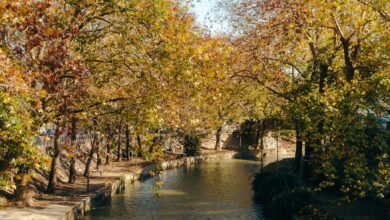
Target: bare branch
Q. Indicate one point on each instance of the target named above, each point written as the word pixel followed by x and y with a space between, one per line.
pixel 338 28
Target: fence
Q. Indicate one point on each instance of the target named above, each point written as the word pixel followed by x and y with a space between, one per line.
pixel 42 143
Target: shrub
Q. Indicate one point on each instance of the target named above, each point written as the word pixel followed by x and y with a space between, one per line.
pixel 192 145
pixel 311 212
pixel 267 185
pixel 288 203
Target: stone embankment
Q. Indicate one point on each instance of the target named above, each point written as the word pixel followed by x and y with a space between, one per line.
pixel 69 208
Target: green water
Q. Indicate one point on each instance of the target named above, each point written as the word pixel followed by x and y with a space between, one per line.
pixel 216 190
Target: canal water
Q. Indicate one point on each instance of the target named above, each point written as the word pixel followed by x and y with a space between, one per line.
pixel 215 190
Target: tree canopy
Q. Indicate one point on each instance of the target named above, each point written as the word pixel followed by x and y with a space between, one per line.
pixel 141 68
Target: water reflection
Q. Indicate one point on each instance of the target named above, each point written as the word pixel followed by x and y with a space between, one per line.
pixel 220 190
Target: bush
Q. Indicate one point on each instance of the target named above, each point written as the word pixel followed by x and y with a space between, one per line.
pixel 288 203
pixel 281 194
pixel 311 212
pixel 267 185
pixel 192 145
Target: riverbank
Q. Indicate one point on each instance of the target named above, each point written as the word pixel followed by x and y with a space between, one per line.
pixel 327 205
pixel 73 201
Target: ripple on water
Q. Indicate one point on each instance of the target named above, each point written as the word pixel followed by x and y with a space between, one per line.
pixel 216 190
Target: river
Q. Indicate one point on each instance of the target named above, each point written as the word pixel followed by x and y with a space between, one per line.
pixel 215 190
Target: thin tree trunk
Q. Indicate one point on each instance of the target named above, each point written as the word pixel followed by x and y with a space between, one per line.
pixel 72 171
pixel 72 166
pixel 119 152
pixel 262 152
pixel 262 142
pixel 139 142
pixel 90 155
pixel 349 69
pixel 306 165
pixel 108 145
pixel 261 159
pixel 98 160
pixel 277 148
pixel 218 138
pixel 258 131
pixel 127 143
pixel 298 150
pixel 51 187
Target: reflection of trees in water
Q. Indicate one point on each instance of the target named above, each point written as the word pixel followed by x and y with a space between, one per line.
pixel 216 190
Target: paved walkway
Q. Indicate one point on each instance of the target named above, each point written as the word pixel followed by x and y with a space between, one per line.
pixel 50 212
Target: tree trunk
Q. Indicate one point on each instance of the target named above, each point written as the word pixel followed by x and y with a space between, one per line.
pixel 262 142
pixel 349 69
pixel 22 193
pixel 218 138
pixel 90 155
pixel 306 169
pixel 139 142
pixel 306 165
pixel 72 171
pixel 128 153
pixel 72 166
pixel 261 158
pixel 258 131
pixel 108 145
pixel 262 149
pixel 298 150
pixel 119 152
pixel 98 160
pixel 55 162
pixel 277 148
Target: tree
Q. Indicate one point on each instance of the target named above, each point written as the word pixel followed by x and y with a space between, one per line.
pixel 325 60
pixel 18 127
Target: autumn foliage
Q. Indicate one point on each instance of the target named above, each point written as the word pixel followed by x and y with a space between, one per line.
pixel 133 71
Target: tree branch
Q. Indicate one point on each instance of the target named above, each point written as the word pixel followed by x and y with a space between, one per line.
pixel 256 79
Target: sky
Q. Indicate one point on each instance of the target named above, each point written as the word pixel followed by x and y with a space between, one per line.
pixel 203 8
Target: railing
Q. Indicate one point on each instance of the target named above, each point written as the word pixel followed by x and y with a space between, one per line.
pixel 43 144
